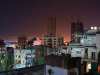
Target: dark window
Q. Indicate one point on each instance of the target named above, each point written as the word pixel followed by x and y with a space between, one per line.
pixel 92 55
pixel 19 56
pixel 78 52
pixel 44 43
pixel 54 46
pixel 71 48
pixel 86 51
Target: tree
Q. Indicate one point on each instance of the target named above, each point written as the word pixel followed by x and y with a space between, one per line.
pixel 1 58
pixel 34 63
pixel 1 43
pixel 8 62
pixel 49 71
pixel 41 61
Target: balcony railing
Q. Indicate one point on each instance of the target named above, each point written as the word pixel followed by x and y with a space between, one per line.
pixel 90 57
pixel 27 63
pixel 28 53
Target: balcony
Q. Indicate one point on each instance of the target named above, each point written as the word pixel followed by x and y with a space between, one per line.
pixel 26 58
pixel 27 63
pixel 28 53
pixel 89 58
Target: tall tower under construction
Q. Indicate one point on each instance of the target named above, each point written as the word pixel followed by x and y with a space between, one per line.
pixel 76 28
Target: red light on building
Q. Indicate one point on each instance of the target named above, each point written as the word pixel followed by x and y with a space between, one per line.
pixel 99 69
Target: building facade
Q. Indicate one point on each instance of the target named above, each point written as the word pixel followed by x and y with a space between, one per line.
pixel 23 57
pixel 86 46
pixel 11 44
pixel 76 28
pixel 22 40
pixel 51 26
pixel 53 41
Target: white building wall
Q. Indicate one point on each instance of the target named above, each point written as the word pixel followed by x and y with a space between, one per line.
pixel 92 50
pixel 98 42
pixel 76 70
pixel 78 52
pixel 11 45
pixel 56 70
pixel 88 40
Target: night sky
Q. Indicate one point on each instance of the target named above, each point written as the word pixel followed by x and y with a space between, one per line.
pixel 29 17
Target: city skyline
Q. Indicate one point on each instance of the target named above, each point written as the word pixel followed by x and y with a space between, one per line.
pixel 30 17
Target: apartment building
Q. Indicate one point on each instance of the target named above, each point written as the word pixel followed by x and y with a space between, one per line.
pixel 53 41
pixel 86 46
pixel 23 57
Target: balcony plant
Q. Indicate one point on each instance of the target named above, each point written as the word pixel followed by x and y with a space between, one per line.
pixel 49 71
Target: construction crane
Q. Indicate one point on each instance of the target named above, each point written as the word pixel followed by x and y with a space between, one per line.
pixel 77 17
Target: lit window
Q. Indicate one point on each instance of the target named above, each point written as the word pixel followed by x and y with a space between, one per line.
pixel 90 41
pixel 78 52
pixel 89 66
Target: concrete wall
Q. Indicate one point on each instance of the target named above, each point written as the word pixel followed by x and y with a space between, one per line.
pixel 74 52
pixel 56 70
pixel 98 42
pixel 60 71
pixel 92 50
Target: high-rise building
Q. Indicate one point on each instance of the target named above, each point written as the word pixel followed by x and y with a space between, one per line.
pixel 51 26
pixel 22 40
pixel 76 28
pixel 51 39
